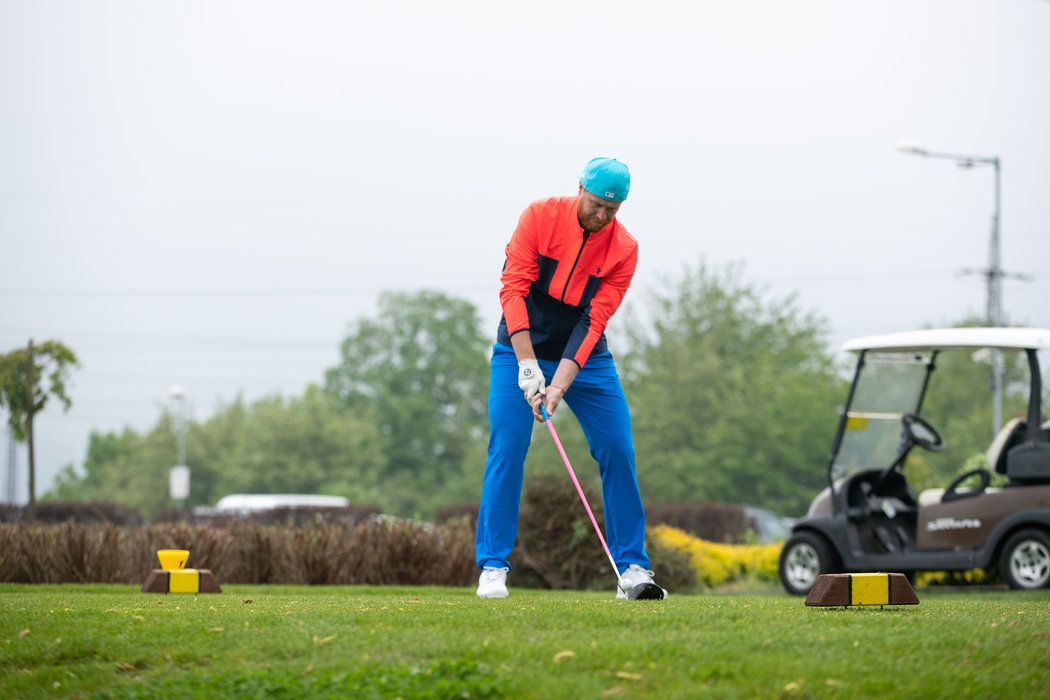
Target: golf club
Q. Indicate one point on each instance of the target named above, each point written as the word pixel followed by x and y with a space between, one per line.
pixel 643 591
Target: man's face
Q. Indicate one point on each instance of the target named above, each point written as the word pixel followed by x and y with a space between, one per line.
pixel 595 213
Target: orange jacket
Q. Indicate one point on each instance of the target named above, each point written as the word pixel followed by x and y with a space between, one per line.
pixel 562 284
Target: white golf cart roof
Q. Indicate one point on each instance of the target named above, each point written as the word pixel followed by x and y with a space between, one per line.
pixel 943 338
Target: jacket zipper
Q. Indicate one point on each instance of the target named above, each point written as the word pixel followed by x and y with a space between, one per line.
pixel 573 268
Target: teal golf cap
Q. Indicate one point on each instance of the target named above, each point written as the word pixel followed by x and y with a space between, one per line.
pixel 607 178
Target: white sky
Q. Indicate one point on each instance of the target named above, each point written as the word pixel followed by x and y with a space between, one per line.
pixel 207 193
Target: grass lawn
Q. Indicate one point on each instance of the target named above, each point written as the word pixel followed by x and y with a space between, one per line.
pixel 290 641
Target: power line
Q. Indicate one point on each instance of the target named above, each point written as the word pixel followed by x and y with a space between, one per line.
pixel 209 293
pixel 343 291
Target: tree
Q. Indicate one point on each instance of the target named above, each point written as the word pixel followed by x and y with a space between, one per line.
pixel 420 367
pixel 398 425
pixel 733 394
pixel 29 377
pixel 125 467
pixel 306 444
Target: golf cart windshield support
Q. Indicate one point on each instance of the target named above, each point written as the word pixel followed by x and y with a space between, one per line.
pixel 837 442
pixel 926 381
pixel 1032 432
pixel 836 446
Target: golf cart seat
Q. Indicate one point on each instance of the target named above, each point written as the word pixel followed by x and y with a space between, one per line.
pixel 1029 462
pixel 1010 435
pixel 1023 457
pixel 931 497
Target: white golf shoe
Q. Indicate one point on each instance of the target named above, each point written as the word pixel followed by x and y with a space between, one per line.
pixel 493 583
pixel 634 577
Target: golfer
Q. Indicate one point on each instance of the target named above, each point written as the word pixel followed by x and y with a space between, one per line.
pixel 569 263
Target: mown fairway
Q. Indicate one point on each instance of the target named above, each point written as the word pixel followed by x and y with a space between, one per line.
pixel 282 641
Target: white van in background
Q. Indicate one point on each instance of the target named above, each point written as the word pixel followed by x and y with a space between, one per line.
pixel 246 503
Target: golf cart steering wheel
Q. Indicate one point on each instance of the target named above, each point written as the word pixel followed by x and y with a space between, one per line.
pixel 922 433
pixel 917 432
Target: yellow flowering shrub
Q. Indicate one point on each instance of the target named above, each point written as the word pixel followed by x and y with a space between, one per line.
pixel 717 564
pixel 951 578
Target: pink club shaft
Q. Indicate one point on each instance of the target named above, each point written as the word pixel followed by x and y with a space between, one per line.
pixel 579 489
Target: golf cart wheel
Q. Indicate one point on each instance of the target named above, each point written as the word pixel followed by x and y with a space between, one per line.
pixel 1025 563
pixel 805 556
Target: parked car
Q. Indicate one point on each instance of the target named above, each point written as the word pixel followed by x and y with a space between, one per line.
pixel 767 525
pixel 252 505
pixel 869 519
pixel 254 502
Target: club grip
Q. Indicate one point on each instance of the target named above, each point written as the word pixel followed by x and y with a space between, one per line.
pixel 543 412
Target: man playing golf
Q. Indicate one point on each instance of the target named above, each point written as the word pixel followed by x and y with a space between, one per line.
pixel 569 264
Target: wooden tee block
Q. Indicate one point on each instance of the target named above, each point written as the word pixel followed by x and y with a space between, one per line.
pixel 861 589
pixel 181 581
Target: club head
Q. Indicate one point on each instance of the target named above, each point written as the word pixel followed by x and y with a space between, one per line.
pixel 646 591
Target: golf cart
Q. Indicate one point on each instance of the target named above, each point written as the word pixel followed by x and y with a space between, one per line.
pixel 869 519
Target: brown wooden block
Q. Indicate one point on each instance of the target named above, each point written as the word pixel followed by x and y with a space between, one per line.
pixel 901 592
pixel 159 581
pixel 209 584
pixel 830 589
pixel 156 582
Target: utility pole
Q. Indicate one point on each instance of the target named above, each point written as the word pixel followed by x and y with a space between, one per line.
pixel 993 277
pixel 179 475
pixel 993 274
pixel 31 394
pixel 11 486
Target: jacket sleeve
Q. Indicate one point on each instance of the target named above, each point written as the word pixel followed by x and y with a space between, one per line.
pixel 596 316
pixel 519 272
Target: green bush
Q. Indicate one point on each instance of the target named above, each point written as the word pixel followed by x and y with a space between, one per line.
pixel 558 548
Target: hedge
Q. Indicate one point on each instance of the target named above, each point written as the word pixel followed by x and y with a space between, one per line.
pixel 717 564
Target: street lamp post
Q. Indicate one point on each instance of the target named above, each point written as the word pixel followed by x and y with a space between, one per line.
pixel 179 476
pixel 993 274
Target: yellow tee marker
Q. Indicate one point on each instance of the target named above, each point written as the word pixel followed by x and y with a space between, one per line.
pixel 173 578
pixel 184 581
pixel 861 589
pixel 870 589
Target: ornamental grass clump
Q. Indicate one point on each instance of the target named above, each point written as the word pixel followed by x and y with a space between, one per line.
pixel 378 552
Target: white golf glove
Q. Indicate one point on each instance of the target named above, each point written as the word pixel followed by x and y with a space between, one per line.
pixel 530 379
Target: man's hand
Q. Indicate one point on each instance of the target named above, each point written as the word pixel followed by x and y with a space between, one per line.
pixel 551 398
pixel 530 379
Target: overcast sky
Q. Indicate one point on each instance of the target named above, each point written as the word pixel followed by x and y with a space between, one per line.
pixel 208 193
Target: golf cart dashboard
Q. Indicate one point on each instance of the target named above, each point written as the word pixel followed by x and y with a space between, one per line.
pixel 869 493
pixel 881 510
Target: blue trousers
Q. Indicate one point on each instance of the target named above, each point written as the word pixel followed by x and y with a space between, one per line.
pixel 597 399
